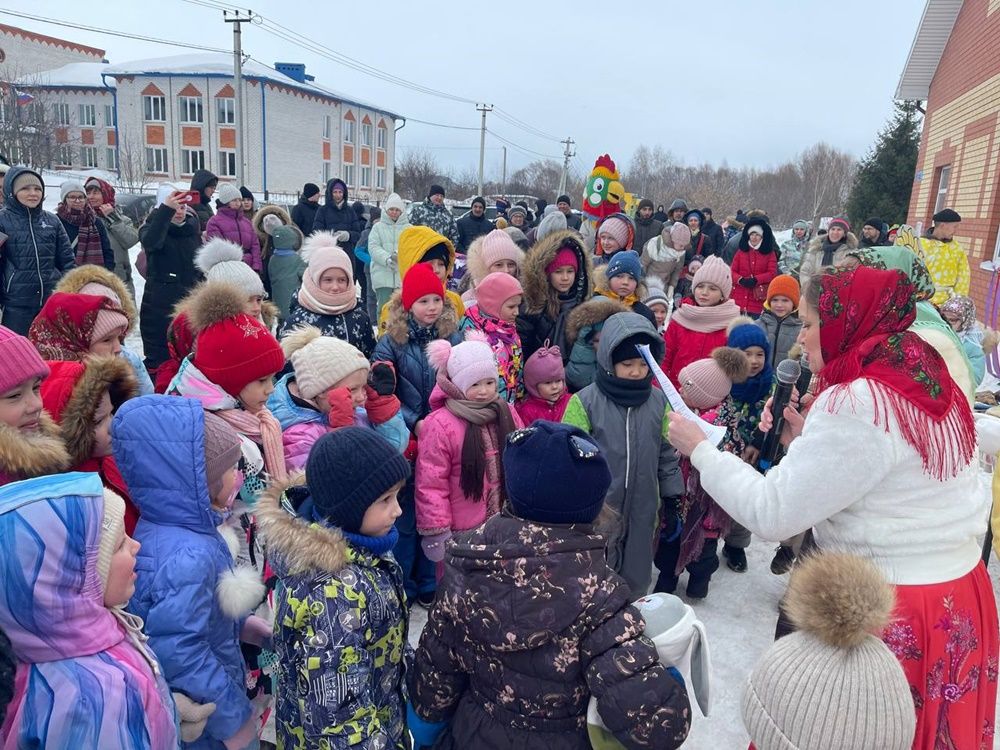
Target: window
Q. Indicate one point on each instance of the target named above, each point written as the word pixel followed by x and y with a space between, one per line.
pixel 380 178
pixel 944 176
pixel 348 131
pixel 156 158
pixel 64 156
pixel 366 176
pixel 62 114
pixel 327 126
pixel 110 116
pixel 154 109
pixel 4 108
pixel 192 161
pixel 349 175
pixel 381 138
pixel 112 156
pixel 88 116
pixel 327 172
pixel 225 110
pixel 191 110
pixel 227 163
pixel 366 134
pixel 88 156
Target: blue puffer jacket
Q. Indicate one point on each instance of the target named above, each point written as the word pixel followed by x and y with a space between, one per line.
pixel 403 345
pixel 35 255
pixel 159 444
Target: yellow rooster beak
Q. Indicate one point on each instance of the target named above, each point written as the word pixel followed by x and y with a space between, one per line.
pixel 615 191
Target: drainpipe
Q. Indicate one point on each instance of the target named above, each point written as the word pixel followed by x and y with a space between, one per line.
pixel 114 104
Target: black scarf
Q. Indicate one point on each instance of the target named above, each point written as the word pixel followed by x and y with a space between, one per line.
pixel 828 250
pixel 624 392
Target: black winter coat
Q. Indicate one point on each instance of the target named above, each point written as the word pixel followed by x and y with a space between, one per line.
pixel 645 230
pixel 353 326
pixel 469 227
pixel 72 230
pixel 304 215
pixel 199 181
pixel 33 258
pixel 332 218
pixel 714 231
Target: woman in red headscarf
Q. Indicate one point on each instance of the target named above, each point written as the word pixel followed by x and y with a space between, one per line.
pixel 884 466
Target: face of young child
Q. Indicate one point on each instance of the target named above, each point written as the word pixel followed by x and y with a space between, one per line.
pixel 224 498
pixel 334 281
pixel 102 428
pixel 781 305
pixel 623 284
pixel 427 309
pixel 29 196
pixel 21 406
pixel 504 266
pixel 707 295
pixel 483 391
pixel 121 574
pixel 440 269
pixel 551 390
pixel 757 358
pixel 509 309
pixel 660 313
pixel 632 369
pixel 382 514
pixel 355 383
pixel 255 393
pixel 562 278
pixel 609 244
pixel 109 345
pixel 253 306
pixel 236 204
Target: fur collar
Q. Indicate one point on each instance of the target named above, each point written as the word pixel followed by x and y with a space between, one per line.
pixel 24 455
pixel 593 311
pixel 79 277
pixel 538 295
pixel 302 546
pixel 397 325
pixel 850 242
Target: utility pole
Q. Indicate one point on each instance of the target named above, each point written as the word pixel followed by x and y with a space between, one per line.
pixel 567 155
pixel 503 180
pixel 236 20
pixel 484 108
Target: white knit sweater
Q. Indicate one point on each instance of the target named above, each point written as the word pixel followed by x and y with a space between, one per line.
pixel 862 489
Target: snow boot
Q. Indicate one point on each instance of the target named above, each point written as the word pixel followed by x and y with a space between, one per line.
pixel 784 558
pixel 700 571
pixel 736 558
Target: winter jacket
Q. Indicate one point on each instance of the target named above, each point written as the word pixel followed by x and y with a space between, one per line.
pixel 506 345
pixel 121 232
pixel 701 244
pixel 948 264
pixel 812 258
pixel 438 218
pixel 403 346
pixel 35 254
pixel 533 408
pixel 441 504
pixel 199 181
pixel 82 680
pixel 529 622
pixel 584 322
pixel 790 256
pixel 340 637
pixel 304 215
pixel 284 271
pixel 335 218
pixel 352 326
pixel 644 466
pixel 684 346
pixel 782 333
pixel 663 262
pixel 170 275
pixel 645 230
pixel 758 267
pixel 714 233
pixel 266 243
pixel 602 289
pixel 230 224
pixel 72 231
pixel 24 455
pixel 187 592
pixel 544 315
pixel 470 227
pixel 383 245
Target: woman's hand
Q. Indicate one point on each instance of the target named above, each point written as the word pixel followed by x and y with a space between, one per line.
pixel 684 434
pixel 173 200
pixel 793 420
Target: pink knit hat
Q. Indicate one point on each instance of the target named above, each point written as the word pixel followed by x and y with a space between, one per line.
pixel 714 271
pixel 680 235
pixel 615 227
pixel 565 257
pixel 544 365
pixel 706 382
pixel 19 360
pixel 106 323
pixel 494 290
pixel 497 246
pixel 464 364
pixel 321 252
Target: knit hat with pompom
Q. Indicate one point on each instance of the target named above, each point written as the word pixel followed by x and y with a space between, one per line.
pixel 706 382
pixel 320 362
pixel 222 260
pixel 464 364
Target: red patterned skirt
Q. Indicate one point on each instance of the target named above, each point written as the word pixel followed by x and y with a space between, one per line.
pixel 947 638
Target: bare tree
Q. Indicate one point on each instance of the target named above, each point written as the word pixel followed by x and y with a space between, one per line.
pixel 415 172
pixel 131 164
pixel 35 130
pixel 827 175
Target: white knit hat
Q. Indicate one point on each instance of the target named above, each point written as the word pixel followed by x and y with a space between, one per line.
pixel 320 362
pixel 222 260
pixel 112 524
pixel 228 192
pixel 70 186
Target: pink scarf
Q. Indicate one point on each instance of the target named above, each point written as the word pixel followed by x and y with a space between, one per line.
pixel 314 299
pixel 706 319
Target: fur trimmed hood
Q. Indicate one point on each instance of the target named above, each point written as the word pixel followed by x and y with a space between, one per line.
pixel 74 280
pixel 73 391
pixel 476 266
pixel 264 237
pixel 26 455
pixel 269 311
pixel 397 319
pixel 300 545
pixel 538 295
pixel 591 312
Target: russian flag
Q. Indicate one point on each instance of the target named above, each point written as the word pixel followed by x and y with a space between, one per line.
pixel 23 97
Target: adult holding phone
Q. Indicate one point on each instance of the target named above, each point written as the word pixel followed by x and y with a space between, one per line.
pixel 120 229
pixel 884 466
pixel 170 239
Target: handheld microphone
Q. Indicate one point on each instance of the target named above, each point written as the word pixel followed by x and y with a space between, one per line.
pixel 787 374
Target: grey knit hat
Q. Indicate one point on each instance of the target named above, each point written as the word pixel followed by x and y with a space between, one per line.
pixel 70 186
pixel 222 260
pixel 833 684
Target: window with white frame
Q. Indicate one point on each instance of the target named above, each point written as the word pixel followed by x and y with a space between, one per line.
pixel 4 108
pixel 88 116
pixel 110 116
pixel 944 177
pixel 62 114
pixel 111 154
pixel 227 163
pixel 366 134
pixel 366 176
pixel 192 160
pixel 327 172
pixel 154 109
pixel 327 126
pixel 349 131
pixel 225 110
pixel 191 109
pixel 380 178
pixel 64 156
pixel 382 138
pixel 349 175
pixel 156 160
pixel 88 156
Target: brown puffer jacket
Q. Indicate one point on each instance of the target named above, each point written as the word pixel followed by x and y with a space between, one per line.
pixel 529 622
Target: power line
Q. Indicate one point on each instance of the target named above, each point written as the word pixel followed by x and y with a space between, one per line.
pixel 510 119
pixel 440 125
pixel 519 147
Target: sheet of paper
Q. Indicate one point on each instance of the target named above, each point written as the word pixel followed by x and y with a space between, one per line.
pixel 714 433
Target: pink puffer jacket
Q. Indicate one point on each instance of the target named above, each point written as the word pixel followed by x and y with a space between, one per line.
pixel 230 224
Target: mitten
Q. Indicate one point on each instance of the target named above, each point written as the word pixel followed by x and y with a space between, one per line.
pixel 342 236
pixel 341 408
pixel 257 632
pixel 380 408
pixel 382 378
pixel 433 546
pixel 425 733
pixel 192 715
pixel 748 281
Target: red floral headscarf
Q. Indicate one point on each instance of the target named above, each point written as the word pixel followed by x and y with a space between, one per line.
pixel 62 329
pixel 864 319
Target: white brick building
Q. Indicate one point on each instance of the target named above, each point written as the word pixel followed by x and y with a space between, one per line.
pixel 24 52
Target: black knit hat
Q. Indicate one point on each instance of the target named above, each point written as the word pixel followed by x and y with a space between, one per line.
pixel 348 470
pixel 564 199
pixel 480 200
pixel 310 189
pixel 627 348
pixel 555 473
pixel 947 214
pixel 435 190
pixel 245 192
pixel 645 203
pixel 437 252
pixel 875 223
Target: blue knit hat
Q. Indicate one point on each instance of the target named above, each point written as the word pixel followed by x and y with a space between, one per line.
pixel 743 333
pixel 555 473
pixel 625 261
pixel 348 470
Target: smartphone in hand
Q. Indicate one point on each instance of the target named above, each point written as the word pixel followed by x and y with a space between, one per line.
pixel 189 198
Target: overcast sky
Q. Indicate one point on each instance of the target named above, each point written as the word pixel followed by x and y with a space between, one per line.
pixel 748 82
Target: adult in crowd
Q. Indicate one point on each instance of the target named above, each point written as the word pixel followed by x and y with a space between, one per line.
pixel 383 246
pixel 87 236
pixel 646 227
pixel 304 211
pixel 874 233
pixel 827 250
pixel 565 205
pixel 247 202
pixel 701 243
pixel 945 257
pixel 540 205
pixel 205 183
pixel 337 215
pixel 230 223
pixel 790 255
pixel 660 214
pixel 433 213
pixel 120 229
pixel 910 501
pixel 473 224
pixel 676 211
pixel 733 243
pixel 753 267
pixel 713 231
pixel 518 217
pixel 170 237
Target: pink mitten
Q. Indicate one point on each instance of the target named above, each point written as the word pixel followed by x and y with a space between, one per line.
pixel 433 545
